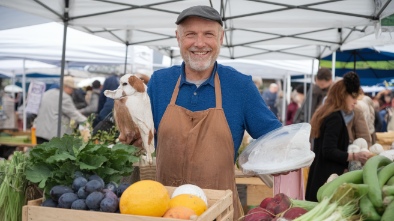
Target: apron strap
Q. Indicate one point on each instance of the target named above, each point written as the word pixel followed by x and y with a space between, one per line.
pixel 175 93
pixel 218 92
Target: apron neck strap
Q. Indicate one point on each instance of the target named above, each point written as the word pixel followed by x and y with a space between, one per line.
pixel 218 92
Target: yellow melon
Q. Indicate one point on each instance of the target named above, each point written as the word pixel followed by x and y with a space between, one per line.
pixel 190 201
pixel 146 198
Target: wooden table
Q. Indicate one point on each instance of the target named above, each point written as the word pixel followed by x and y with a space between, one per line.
pixel 13 144
pixel 18 141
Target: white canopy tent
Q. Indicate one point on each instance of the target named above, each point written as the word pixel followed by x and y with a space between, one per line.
pixel 41 43
pixel 44 42
pixel 273 29
pixel 382 41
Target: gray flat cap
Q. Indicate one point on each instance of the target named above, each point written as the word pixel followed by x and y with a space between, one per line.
pixel 200 11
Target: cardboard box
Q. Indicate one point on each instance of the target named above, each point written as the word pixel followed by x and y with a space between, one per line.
pixel 220 207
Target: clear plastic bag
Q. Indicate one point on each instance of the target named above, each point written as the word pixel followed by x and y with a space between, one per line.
pixel 284 149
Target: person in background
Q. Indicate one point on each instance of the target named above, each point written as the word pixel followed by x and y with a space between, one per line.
pixel 296 98
pixel 201 109
pixel 78 97
pixel 92 106
pixel 365 104
pixel 47 116
pixel 390 116
pixel 105 104
pixel 88 94
pixel 357 125
pixel 269 96
pixel 384 98
pixel 323 81
pixel 378 124
pixel 330 134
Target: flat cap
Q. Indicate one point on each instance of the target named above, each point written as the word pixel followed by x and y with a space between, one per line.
pixel 201 11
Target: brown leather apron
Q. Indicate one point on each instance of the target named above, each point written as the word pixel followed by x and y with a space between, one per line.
pixel 197 148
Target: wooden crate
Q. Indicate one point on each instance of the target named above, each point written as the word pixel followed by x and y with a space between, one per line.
pixel 256 190
pixel 220 208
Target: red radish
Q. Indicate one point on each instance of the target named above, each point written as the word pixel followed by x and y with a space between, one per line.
pixel 294 212
pixel 265 201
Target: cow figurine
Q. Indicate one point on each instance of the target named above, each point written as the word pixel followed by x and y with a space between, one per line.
pixel 133 113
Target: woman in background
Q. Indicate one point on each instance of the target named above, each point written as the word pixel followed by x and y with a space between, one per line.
pixel 331 138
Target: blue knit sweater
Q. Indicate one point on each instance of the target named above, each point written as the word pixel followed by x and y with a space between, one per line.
pixel 243 105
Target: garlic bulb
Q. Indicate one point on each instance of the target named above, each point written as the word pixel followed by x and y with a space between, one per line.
pixel 376 148
pixel 352 148
pixel 361 142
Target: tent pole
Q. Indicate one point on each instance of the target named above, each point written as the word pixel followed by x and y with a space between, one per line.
pixel 61 79
pixel 125 60
pixel 24 94
pixel 284 99
pixel 354 63
pixel 310 94
pixel 172 57
pixel 333 64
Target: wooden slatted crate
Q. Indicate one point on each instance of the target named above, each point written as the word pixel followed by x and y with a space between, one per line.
pixel 220 208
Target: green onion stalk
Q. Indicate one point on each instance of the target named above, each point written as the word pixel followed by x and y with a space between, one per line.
pixel 12 187
pixel 342 205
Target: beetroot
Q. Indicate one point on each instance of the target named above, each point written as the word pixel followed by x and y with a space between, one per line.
pixel 271 206
pixel 258 214
pixel 294 212
pixel 278 204
pixel 265 201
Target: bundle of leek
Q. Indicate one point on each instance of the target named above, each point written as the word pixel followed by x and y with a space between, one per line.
pixel 342 205
pixel 12 187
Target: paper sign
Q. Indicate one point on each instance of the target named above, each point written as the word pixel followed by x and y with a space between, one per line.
pixel 34 95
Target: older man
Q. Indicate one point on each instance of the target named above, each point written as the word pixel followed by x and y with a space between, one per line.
pixel 201 109
pixel 47 116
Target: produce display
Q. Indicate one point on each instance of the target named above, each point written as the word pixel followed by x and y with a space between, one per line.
pixel 87 192
pixel 86 175
pixel 12 187
pixel 374 180
pixel 364 194
pixel 56 162
pixel 143 198
pixel 151 198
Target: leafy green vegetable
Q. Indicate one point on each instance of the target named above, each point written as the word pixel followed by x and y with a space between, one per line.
pixel 55 162
pixel 12 187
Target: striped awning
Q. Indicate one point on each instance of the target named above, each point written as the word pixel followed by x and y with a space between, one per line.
pixel 372 66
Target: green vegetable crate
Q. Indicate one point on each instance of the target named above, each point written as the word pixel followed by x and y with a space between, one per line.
pixel 220 208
